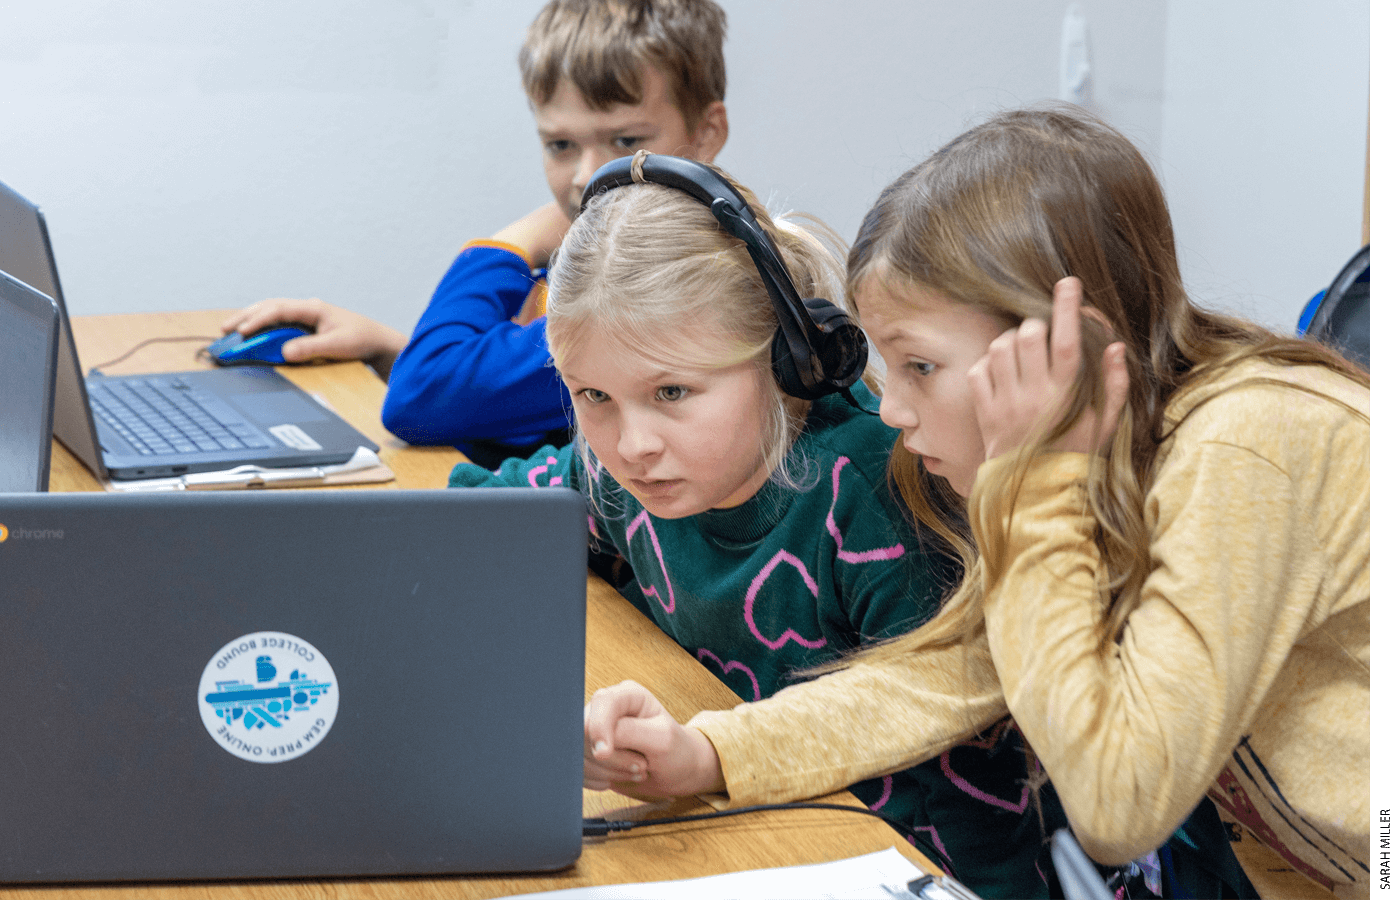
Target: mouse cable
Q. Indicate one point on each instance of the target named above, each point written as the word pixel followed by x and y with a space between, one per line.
pixel 97 370
pixel 597 826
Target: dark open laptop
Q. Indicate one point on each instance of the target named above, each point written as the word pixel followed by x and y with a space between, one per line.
pixel 273 685
pixel 28 359
pixel 153 426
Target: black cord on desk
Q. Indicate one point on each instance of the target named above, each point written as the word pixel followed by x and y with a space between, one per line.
pixel 597 826
pixel 97 369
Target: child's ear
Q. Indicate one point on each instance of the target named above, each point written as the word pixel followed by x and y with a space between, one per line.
pixel 711 131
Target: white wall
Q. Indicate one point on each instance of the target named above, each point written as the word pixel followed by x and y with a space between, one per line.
pixel 1264 147
pixel 832 100
pixel 192 153
pixel 204 154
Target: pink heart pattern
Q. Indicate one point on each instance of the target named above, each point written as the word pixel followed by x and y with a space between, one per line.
pixel 888 782
pixel 782 556
pixel 967 787
pixel 933 835
pixel 876 555
pixel 879 554
pixel 533 476
pixel 669 604
pixel 726 667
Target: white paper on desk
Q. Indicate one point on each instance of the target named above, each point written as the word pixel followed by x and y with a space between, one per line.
pixel 859 878
pixel 244 476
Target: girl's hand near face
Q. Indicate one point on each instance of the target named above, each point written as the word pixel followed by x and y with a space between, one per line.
pixel 633 746
pixel 1027 377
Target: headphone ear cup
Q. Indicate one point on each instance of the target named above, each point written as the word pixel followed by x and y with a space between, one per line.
pixel 844 350
pixel 841 350
pixel 785 370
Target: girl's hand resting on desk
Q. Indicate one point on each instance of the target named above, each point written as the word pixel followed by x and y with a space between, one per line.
pixel 340 333
pixel 633 746
pixel 1025 381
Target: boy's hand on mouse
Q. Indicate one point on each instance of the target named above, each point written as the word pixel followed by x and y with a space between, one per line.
pixel 633 746
pixel 1024 382
pixel 339 333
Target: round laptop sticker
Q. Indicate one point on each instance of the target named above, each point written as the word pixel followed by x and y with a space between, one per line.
pixel 268 697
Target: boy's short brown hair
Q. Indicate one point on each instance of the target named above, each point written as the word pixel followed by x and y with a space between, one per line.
pixel 603 47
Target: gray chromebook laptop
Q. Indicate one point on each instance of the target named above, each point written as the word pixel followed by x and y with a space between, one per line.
pixel 154 426
pixel 28 359
pixel 290 684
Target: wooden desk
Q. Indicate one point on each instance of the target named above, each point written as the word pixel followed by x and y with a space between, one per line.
pixel 621 644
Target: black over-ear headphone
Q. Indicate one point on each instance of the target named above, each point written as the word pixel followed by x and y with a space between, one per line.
pixel 818 350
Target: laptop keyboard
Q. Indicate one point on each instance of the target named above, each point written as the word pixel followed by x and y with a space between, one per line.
pixel 165 415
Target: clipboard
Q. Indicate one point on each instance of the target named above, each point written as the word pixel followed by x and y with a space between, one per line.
pixel 364 467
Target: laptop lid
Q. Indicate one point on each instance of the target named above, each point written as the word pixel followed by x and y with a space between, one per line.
pixel 278 423
pixel 25 254
pixel 28 360
pixel 291 684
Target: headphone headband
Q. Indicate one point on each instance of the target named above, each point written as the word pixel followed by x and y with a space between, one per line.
pixel 821 350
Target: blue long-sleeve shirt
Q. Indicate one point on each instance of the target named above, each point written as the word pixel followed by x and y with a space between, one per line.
pixel 471 374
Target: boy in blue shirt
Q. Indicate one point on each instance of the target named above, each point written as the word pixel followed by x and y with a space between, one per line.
pixel 605 78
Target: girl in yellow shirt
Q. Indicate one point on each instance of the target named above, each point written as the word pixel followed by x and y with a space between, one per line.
pixel 1168 546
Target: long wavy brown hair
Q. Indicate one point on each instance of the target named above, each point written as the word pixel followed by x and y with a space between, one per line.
pixel 994 219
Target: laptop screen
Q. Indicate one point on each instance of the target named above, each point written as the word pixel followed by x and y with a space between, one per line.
pixel 24 251
pixel 28 350
pixel 26 255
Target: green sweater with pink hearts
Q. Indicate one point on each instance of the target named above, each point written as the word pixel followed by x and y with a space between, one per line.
pixel 801 574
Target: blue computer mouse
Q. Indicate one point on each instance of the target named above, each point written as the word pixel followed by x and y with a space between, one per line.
pixel 263 348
